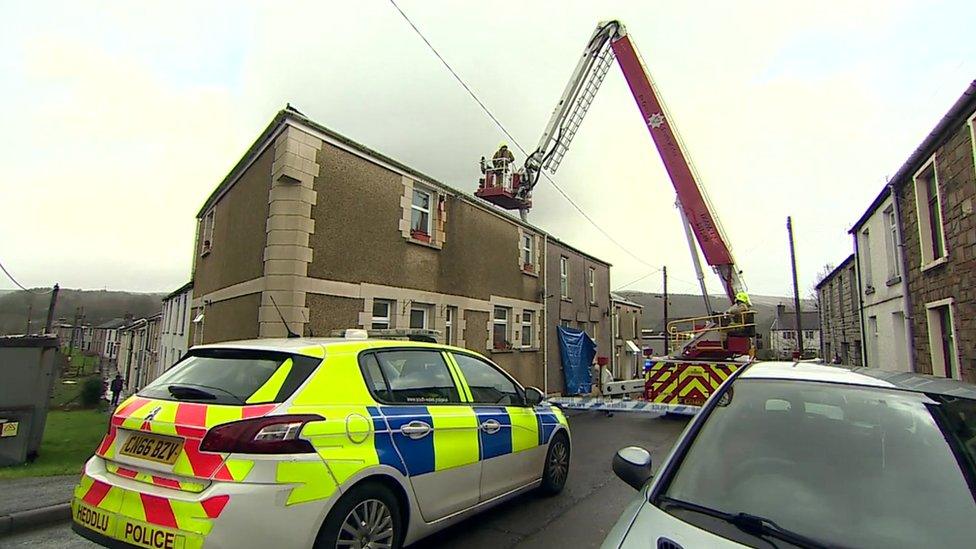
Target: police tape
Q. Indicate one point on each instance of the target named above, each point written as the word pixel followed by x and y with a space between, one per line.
pixel 619 405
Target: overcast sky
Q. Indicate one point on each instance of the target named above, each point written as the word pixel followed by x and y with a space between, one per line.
pixel 120 118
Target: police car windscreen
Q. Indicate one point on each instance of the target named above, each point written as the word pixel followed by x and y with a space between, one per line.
pixel 232 376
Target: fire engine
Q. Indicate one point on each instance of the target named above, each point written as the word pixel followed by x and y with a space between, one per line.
pixel 704 351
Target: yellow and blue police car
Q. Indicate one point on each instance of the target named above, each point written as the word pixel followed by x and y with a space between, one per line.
pixel 339 442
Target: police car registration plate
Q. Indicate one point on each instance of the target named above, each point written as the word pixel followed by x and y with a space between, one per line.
pixel 153 447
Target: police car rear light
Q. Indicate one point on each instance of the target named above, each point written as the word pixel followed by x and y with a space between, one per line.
pixel 261 435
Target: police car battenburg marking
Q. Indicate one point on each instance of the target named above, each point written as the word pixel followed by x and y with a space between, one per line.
pixel 383 442
pixel 418 454
pixel 500 443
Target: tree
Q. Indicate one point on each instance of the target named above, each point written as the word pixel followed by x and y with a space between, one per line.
pixel 821 275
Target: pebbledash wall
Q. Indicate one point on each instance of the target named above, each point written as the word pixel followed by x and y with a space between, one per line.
pixel 941 278
pixel 325 228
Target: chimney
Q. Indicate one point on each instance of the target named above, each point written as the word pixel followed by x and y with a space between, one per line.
pixel 780 310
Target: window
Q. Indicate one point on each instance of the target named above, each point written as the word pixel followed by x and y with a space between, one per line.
pixel 449 314
pixel 564 277
pixel 591 282
pixel 527 339
pixel 929 208
pixel 418 316
pixel 942 342
pixel 865 249
pixel 207 232
pixel 410 377
pixel 528 252
pixel 381 314
pixel 420 214
pixel 891 244
pixel 488 385
pixel 499 329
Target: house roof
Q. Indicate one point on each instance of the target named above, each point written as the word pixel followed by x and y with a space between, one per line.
pixel 787 320
pixel 960 111
pixel 113 324
pixel 837 269
pixel 617 298
pixel 290 114
pixel 179 291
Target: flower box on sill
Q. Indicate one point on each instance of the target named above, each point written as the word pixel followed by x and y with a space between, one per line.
pixel 420 235
pixel 528 267
pixel 502 346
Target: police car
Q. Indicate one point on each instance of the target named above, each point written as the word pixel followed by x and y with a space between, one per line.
pixel 342 442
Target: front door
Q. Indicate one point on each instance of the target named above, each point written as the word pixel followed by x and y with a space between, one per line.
pixel 511 455
pixel 434 433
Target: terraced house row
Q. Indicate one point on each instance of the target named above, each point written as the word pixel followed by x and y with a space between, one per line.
pixel 336 235
pixel 914 260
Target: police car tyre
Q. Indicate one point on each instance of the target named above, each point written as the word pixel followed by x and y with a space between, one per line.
pixel 557 465
pixel 366 516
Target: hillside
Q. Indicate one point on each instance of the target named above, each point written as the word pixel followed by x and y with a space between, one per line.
pixel 687 306
pixel 99 306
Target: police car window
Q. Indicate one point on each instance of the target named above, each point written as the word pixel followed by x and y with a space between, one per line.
pixel 374 377
pixel 488 385
pixel 416 377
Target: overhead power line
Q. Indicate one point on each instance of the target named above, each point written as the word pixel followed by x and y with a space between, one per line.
pixel 511 137
pixel 18 284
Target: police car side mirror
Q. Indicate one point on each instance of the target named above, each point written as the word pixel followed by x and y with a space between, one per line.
pixel 633 466
pixel 533 396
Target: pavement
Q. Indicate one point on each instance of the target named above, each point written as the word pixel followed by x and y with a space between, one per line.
pixel 29 502
pixel 581 516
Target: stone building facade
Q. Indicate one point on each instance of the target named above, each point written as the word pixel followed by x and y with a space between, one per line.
pixel 627 361
pixel 840 322
pixel 936 194
pixel 336 235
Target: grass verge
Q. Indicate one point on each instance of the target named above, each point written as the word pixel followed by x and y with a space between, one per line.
pixel 70 438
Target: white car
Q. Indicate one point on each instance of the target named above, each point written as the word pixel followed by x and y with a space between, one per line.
pixel 808 455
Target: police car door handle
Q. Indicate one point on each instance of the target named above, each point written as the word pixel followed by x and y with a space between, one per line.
pixel 416 429
pixel 491 426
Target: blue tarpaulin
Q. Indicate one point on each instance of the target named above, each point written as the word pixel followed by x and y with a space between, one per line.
pixel 576 351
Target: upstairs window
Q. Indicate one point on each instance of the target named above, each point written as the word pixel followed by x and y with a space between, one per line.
pixel 528 252
pixel 865 249
pixel 207 232
pixel 419 315
pixel 591 283
pixel 381 315
pixel 564 277
pixel 420 214
pixel 891 243
pixel 929 207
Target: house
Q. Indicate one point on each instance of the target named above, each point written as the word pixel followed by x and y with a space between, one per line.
pixel 107 337
pixel 840 319
pixel 174 327
pixel 882 288
pixel 935 197
pixel 138 348
pixel 627 361
pixel 313 232
pixel 783 336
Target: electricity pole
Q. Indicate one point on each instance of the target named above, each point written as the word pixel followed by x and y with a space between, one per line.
pixel 665 271
pixel 796 289
pixel 50 309
pixel 30 311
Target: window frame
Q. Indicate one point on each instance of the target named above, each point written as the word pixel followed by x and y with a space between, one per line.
pixel 891 243
pixel 423 308
pixel 866 267
pixel 462 399
pixel 416 208
pixel 527 343
pixel 924 215
pixel 564 277
pixel 936 334
pixel 527 249
pixel 508 327
pixel 449 322
pixel 207 230
pixel 390 306
pixel 497 368
pixel 591 283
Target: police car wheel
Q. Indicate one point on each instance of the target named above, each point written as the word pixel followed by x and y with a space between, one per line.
pixel 557 465
pixel 366 517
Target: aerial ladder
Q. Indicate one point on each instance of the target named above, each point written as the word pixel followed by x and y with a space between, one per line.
pixel 704 350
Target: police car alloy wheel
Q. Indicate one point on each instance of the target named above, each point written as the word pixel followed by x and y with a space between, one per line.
pixel 557 465
pixel 367 517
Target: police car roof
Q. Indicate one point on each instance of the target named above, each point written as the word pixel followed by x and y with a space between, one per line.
pixel 870 377
pixel 302 345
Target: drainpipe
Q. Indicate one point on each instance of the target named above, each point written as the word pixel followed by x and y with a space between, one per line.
pixel 860 305
pixel 545 314
pixel 906 297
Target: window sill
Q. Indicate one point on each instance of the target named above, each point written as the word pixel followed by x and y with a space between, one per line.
pixel 432 245
pixel 869 290
pixel 566 299
pixel 893 281
pixel 501 351
pixel 205 253
pixel 529 349
pixel 530 273
pixel 935 263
